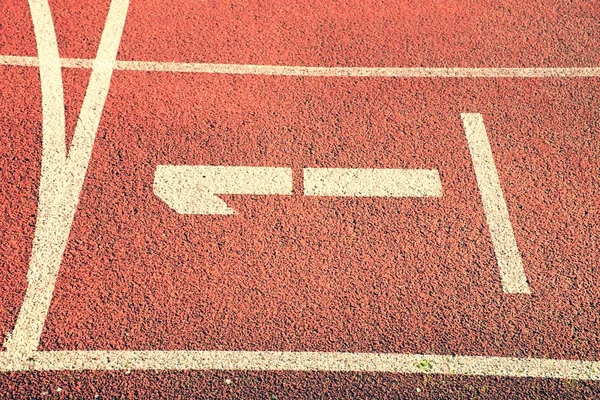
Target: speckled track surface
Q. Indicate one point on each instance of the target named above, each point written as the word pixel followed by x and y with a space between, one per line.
pixel 301 274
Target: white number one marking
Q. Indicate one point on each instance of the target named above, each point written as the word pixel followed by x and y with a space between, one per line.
pixel 192 190
pixel 503 239
pixel 62 178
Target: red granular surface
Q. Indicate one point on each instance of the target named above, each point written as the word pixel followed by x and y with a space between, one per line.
pixel 334 274
pixel 297 273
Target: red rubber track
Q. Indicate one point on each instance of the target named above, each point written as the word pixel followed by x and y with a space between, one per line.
pixel 334 274
pixel 284 385
pixel 366 33
pixel 303 273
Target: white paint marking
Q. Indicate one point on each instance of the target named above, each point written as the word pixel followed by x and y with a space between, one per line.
pixel 22 61
pixel 305 361
pixel 193 189
pixel 292 70
pixel 62 175
pixel 417 72
pixel 372 182
pixel 47 249
pixel 26 61
pixel 53 151
pixel 496 212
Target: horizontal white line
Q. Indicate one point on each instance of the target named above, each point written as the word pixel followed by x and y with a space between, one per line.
pixel 27 61
pixel 355 71
pixel 303 361
pixel 372 182
pixel 412 72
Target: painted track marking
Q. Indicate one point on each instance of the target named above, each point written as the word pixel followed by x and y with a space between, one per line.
pixel 48 245
pixel 305 361
pixel 408 363
pixel 62 175
pixel 191 189
pixel 292 70
pixel 372 182
pixel 494 205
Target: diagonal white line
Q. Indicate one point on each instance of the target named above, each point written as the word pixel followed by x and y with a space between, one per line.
pixel 62 176
pixel 97 90
pixel 494 205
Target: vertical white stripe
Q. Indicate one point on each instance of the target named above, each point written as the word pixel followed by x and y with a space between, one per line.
pixel 47 250
pixel 62 176
pixel 503 239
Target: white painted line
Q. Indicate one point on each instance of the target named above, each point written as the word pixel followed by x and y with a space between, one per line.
pixel 48 245
pixel 76 63
pixel 193 189
pixel 97 90
pixel 27 61
pixel 417 72
pixel 503 238
pixel 372 182
pixel 61 181
pixel 292 70
pixel 62 175
pixel 305 361
pixel 23 61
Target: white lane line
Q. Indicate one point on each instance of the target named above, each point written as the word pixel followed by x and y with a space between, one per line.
pixel 27 61
pixel 372 182
pixel 305 361
pixel 291 70
pixel 416 72
pixel 494 205
pixel 192 189
pixel 47 249
pixel 62 175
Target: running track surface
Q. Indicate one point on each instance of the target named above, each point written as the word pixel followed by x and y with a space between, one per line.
pixel 296 273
